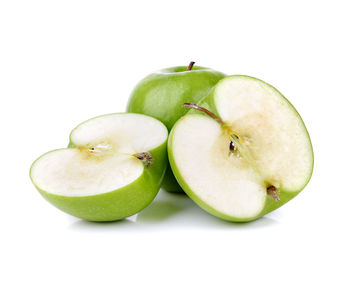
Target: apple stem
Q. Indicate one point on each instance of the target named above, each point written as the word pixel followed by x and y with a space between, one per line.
pixel 204 110
pixel 190 65
pixel 145 157
pixel 273 192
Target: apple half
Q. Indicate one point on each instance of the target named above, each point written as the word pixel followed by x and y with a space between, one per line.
pixel 112 168
pixel 243 152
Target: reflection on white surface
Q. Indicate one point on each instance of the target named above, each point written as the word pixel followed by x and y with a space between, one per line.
pixel 170 211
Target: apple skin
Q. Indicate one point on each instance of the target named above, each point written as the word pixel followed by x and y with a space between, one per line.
pixel 117 204
pixel 270 204
pixel 161 95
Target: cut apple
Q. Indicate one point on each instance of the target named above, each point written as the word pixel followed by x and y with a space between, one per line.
pixel 245 152
pixel 111 170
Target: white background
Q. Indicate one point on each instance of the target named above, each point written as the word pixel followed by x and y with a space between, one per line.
pixel 62 62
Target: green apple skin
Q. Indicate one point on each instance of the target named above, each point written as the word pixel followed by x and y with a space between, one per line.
pixel 117 204
pixel 270 204
pixel 161 95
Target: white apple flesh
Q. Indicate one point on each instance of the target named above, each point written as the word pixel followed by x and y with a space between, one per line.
pixel 111 170
pixel 249 157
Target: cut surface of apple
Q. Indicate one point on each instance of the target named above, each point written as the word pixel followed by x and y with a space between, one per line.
pixel 252 155
pixel 112 168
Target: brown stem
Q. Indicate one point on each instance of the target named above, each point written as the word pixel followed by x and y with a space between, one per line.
pixel 273 192
pixel 190 66
pixel 145 157
pixel 204 110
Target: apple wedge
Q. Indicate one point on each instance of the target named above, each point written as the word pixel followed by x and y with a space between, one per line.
pixel 112 168
pixel 243 152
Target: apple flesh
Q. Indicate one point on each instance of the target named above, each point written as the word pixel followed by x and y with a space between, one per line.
pixel 243 152
pixel 161 95
pixel 112 169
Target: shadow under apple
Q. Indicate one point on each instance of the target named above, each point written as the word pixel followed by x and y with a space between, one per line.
pixel 90 226
pixel 179 211
pixel 170 211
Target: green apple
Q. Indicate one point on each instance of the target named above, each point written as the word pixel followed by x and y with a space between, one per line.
pixel 112 168
pixel 162 93
pixel 243 152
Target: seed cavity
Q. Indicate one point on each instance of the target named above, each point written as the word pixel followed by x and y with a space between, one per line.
pixel 100 148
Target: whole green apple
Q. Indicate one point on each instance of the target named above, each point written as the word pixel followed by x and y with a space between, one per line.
pixel 112 168
pixel 161 95
pixel 243 152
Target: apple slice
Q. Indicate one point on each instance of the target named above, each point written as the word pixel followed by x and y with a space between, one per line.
pixel 112 169
pixel 245 152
